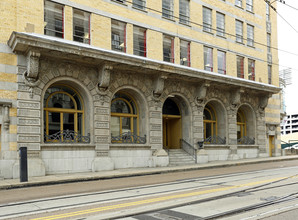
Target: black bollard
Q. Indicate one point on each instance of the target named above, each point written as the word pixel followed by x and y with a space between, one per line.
pixel 23 165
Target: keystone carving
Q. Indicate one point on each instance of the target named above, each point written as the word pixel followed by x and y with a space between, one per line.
pixel 104 76
pixel 236 97
pixel 158 85
pixel 6 120
pixel 201 93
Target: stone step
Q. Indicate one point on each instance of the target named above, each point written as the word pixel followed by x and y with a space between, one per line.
pixel 178 157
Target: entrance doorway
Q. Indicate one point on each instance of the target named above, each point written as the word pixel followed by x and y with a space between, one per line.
pixel 171 125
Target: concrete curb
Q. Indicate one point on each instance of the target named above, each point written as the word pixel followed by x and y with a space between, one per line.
pixel 80 177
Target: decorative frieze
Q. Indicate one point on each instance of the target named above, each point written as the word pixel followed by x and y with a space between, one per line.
pixel 26 121
pixel 102 111
pixel 155 127
pixel 32 105
pixel 102 153
pixel 28 138
pixel 102 139
pixel 28 113
pixel 101 124
pixel 155 140
pixel 155 114
pixel 29 129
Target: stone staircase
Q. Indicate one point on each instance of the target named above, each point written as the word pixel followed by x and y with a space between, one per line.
pixel 178 157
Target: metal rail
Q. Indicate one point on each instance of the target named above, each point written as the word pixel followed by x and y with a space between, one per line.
pixel 188 148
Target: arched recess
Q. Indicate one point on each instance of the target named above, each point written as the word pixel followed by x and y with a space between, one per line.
pixel 176 121
pixel 215 123
pixel 67 112
pixel 129 113
pixel 246 125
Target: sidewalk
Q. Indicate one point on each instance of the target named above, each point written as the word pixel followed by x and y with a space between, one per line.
pixel 76 177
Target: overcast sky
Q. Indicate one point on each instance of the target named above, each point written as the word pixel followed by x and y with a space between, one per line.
pixel 288 40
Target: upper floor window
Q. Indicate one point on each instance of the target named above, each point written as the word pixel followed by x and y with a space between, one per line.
pixel 81 26
pixel 250 35
pixel 185 53
pixel 221 59
pixel 268 43
pixel 240 67
pixel 249 5
pixel 269 74
pixel 251 69
pixel 208 59
pixel 140 4
pixel 167 9
pixel 168 49
pixel 139 41
pixel 184 11
pixel 220 24
pixel 239 31
pixel 53 19
pixel 207 19
pixel 267 11
pixel 118 36
pixel 238 3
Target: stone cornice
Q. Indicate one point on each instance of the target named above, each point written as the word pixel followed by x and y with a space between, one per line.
pixel 24 42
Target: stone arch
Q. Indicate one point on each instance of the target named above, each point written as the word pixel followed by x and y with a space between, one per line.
pixel 250 117
pixel 85 94
pixel 142 105
pixel 221 116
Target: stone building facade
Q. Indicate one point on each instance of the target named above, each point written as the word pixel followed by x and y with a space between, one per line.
pixel 79 105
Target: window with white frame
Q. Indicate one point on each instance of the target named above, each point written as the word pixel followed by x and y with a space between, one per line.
pixel 240 67
pixel 220 24
pixel 268 43
pixel 251 69
pixel 118 35
pixel 221 59
pixel 139 41
pixel 250 35
pixel 249 5
pixel 208 59
pixel 81 26
pixel 184 11
pixel 269 74
pixel 238 3
pixel 140 4
pixel 168 48
pixel 207 19
pixel 53 19
pixel 167 9
pixel 184 53
pixel 239 31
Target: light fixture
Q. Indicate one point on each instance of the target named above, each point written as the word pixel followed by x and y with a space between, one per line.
pixel 184 59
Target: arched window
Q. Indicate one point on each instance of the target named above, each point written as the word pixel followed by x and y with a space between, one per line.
pixel 124 115
pixel 241 125
pixel 64 115
pixel 210 122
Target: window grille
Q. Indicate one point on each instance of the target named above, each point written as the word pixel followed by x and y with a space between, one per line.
pixel 251 69
pixel 249 5
pixel 139 41
pixel 184 53
pixel 168 49
pixel 140 4
pixel 167 9
pixel 239 31
pixel 250 35
pixel 208 59
pixel 221 59
pixel 81 26
pixel 220 24
pixel 240 67
pixel 53 19
pixel 184 11
pixel 118 36
pixel 207 19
